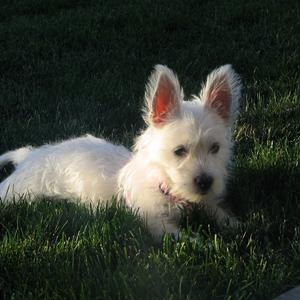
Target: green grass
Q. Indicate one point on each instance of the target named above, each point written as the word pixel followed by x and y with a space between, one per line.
pixel 71 67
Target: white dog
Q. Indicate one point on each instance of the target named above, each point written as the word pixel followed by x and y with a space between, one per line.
pixel 183 156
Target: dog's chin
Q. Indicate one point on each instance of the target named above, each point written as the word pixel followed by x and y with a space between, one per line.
pixel 198 197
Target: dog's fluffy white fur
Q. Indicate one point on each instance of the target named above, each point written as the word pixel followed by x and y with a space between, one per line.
pixel 183 156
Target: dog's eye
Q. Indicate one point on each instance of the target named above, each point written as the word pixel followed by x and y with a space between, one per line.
pixel 214 148
pixel 180 151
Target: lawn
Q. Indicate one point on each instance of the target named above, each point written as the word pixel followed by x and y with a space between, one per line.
pixel 70 67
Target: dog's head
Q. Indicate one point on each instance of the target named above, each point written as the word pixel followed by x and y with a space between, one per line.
pixel 190 141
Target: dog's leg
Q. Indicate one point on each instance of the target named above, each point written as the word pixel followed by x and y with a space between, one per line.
pixel 158 226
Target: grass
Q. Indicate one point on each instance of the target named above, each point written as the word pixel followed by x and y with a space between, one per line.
pixel 71 67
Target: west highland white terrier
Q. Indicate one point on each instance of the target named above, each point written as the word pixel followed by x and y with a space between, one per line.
pixel 182 157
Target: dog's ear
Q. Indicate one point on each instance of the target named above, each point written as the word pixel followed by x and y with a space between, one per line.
pixel 222 92
pixel 162 97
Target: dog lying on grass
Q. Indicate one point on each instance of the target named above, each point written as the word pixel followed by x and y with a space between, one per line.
pixel 182 157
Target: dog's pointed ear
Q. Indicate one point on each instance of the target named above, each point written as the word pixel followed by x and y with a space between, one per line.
pixel 162 97
pixel 222 92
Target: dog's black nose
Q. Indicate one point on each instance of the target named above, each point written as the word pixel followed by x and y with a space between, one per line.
pixel 203 182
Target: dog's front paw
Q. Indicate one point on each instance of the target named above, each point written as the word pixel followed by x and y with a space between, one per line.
pixel 231 222
pixel 224 217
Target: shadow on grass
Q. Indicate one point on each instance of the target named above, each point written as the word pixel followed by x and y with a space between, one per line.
pixel 267 202
pixel 274 190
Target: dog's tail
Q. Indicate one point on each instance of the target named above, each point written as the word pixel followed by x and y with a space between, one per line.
pixel 15 156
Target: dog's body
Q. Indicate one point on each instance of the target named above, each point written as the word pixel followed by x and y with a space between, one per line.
pixel 72 169
pixel 183 155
